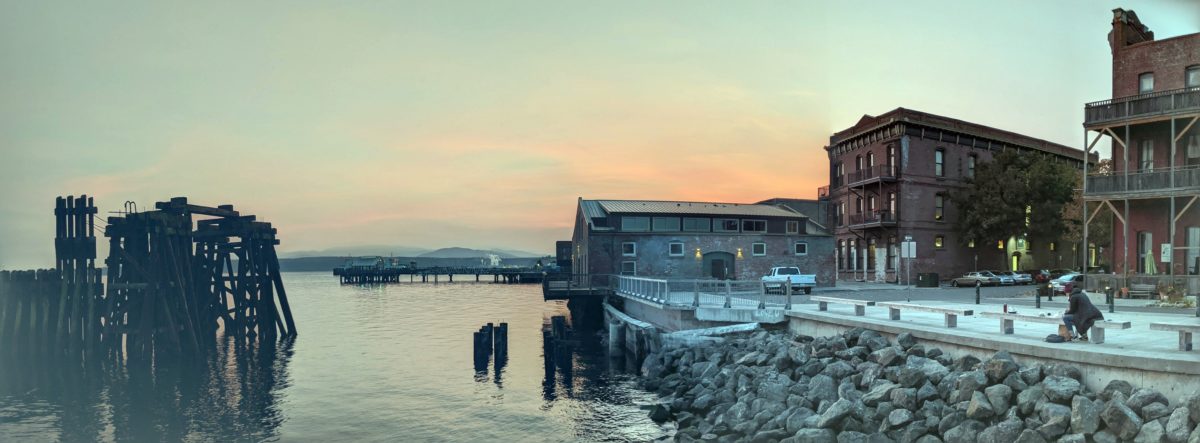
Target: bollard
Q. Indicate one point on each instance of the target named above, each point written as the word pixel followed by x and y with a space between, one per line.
pixel 1108 294
pixel 728 291
pixel 977 285
pixel 1049 292
pixel 695 293
pixel 1037 298
pixel 616 337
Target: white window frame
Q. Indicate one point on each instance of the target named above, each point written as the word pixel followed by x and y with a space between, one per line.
pixel 753 249
pixel 1146 162
pixel 719 225
pixel 632 265
pixel 751 220
pixel 939 207
pixel 625 227
pixel 1142 83
pixel 1189 73
pixel 672 245
pixel 939 162
pixel 793 227
pixel 629 254
pixel 796 247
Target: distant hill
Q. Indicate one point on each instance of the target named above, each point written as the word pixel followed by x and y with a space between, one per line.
pixel 360 250
pixel 457 252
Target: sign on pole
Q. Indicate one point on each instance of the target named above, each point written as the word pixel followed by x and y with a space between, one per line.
pixel 1165 254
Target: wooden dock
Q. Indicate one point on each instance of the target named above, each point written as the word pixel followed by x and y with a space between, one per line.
pixel 572 286
pixel 388 274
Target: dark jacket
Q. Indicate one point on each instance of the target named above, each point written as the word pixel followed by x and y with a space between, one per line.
pixel 1084 311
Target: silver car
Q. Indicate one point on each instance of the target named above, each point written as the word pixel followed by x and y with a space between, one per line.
pixel 982 278
pixel 1017 277
pixel 1006 280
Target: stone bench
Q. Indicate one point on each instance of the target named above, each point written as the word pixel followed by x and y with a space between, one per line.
pixel 1095 334
pixel 1139 290
pixel 951 314
pixel 1185 332
pixel 860 306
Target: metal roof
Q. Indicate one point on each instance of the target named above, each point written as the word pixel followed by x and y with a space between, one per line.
pixel 696 208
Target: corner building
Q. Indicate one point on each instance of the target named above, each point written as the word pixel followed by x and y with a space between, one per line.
pixel 891 177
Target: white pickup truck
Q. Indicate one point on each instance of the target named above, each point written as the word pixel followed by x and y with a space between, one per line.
pixel 790 276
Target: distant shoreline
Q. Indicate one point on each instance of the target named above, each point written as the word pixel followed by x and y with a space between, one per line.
pixel 326 264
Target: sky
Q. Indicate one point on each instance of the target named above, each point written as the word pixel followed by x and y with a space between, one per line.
pixel 479 124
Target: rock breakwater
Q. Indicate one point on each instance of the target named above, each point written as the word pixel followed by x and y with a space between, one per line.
pixel 861 387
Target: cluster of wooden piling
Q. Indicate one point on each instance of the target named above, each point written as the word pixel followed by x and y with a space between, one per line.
pixel 172 283
pixel 491 340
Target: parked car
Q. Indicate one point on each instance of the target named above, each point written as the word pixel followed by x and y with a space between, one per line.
pixel 1005 279
pixel 790 276
pixel 1018 278
pixel 1039 275
pixel 1066 283
pixel 984 278
pixel 1056 273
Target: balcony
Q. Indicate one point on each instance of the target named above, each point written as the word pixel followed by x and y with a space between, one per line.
pixel 1157 182
pixel 873 174
pixel 872 219
pixel 1142 107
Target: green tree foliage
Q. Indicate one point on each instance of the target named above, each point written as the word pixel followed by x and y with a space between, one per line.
pixel 1014 195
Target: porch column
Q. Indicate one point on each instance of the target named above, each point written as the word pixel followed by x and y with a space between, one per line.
pixel 1086 156
pixel 1171 219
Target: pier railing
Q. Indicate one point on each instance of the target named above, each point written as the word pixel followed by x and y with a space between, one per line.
pixel 704 292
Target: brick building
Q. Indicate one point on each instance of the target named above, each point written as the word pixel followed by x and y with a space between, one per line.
pixel 689 240
pixel 1151 120
pixel 891 177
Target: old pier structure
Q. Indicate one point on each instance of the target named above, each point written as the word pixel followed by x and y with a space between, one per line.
pixel 176 276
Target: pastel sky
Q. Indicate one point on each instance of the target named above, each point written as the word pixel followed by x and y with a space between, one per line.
pixel 479 123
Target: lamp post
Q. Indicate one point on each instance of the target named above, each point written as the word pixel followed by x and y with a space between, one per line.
pixel 696 282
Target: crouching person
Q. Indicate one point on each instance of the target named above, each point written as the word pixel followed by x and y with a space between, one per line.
pixel 1081 314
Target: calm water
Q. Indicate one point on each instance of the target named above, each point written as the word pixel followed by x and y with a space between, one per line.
pixel 381 363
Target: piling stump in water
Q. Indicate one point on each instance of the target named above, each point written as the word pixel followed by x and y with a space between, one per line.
pixel 616 338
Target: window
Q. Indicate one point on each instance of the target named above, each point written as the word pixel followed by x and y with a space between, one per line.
pixel 939 241
pixel 841 170
pixel 859 205
pixel 841 213
pixel 891 155
pixel 841 256
pixel 675 249
pixel 870 159
pixel 891 252
pixel 697 224
pixel 939 162
pixel 793 227
pixel 971 244
pixel 891 202
pixel 1145 251
pixel 726 225
pixel 871 203
pixel 754 226
pixel 858 163
pixel 971 166
pixel 758 249
pixel 800 248
pixel 635 224
pixel 939 207
pixel 1146 83
pixel 1051 246
pixel 628 268
pixel 1147 155
pixel 629 249
pixel 666 224
pixel 1191 77
pixel 1193 150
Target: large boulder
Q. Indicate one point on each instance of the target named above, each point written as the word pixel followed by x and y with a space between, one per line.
pixel 933 370
pixel 821 387
pixel 910 377
pixel 1193 405
pixel 1121 386
pixel 1120 420
pixel 1055 427
pixel 888 356
pixel 1060 389
pixel 1151 432
pixel 980 408
pixel 1177 428
pixel 795 420
pixel 1030 436
pixel 879 393
pixel 965 432
pixel 1000 396
pixel 1073 438
pixel 1142 397
pixel 816 436
pixel 1003 432
pixel 1155 411
pixel 898 418
pixel 835 413
pixel 1028 399
pixel 905 398
pixel 906 340
pixel 999 367
pixel 1031 374
pixel 1085 415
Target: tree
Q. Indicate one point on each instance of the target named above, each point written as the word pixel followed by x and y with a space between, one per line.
pixel 1015 194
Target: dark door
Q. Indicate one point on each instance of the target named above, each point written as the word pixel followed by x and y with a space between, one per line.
pixel 719 270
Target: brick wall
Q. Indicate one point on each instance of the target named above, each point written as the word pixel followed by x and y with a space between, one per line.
pixel 1167 59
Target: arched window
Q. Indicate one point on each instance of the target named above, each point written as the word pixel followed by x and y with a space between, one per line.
pixel 858 163
pixel 870 159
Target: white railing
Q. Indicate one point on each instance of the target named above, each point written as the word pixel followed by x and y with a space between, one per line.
pixel 706 292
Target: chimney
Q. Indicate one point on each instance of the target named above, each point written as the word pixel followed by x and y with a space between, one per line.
pixel 1127 30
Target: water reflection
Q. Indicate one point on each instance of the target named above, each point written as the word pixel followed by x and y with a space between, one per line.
pixel 230 393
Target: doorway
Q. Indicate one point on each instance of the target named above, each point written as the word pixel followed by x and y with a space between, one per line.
pixel 719 265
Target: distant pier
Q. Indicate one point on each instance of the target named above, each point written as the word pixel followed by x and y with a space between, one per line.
pixel 398 274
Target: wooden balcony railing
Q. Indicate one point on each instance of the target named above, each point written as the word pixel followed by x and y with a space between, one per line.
pixel 1142 105
pixel 1158 180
